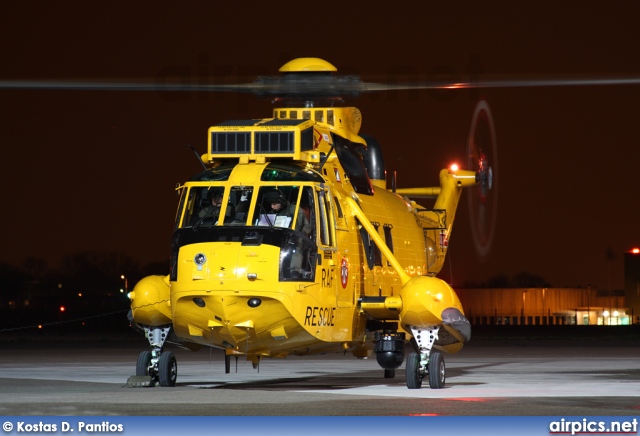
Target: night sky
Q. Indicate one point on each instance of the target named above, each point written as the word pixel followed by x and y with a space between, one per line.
pixel 96 170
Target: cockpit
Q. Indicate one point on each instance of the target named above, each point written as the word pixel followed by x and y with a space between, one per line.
pixel 277 208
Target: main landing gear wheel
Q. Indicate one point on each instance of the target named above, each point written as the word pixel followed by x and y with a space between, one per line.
pixel 414 376
pixel 142 366
pixel 167 369
pixel 436 370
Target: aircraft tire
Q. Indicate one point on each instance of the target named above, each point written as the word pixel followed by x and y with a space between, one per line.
pixel 167 369
pixel 436 370
pixel 412 369
pixel 142 366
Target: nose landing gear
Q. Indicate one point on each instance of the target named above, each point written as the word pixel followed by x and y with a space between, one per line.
pixel 157 367
pixel 425 363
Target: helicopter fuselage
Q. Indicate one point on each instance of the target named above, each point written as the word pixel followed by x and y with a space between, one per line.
pixel 349 258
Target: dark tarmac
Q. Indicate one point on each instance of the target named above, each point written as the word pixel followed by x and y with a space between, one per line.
pixel 506 376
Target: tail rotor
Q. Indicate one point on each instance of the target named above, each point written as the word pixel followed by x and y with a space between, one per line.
pixel 482 157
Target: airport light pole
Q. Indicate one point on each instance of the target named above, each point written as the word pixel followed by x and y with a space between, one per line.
pixel 126 285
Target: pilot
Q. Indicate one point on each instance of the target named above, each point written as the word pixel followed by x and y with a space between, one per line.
pixel 280 206
pixel 213 210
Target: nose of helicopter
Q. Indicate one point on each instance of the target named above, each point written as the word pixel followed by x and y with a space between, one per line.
pixel 233 319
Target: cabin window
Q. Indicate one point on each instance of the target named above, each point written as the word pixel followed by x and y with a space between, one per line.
pixel 367 246
pixel 326 219
pixel 388 239
pixel 338 208
pixel 377 255
pixel 330 117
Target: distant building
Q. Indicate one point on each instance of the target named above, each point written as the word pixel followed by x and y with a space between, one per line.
pixel 632 282
pixel 547 306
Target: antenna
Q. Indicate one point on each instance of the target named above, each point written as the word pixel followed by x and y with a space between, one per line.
pixel 197 155
pixel 393 182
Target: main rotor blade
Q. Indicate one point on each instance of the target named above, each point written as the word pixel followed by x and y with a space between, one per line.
pixel 116 86
pixel 503 83
pixel 313 86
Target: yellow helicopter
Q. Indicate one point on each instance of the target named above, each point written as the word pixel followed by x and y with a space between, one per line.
pixel 291 243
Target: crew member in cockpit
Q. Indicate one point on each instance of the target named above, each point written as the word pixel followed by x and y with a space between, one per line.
pixel 213 210
pixel 280 206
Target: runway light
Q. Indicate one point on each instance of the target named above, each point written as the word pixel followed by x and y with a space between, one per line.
pixel 469 400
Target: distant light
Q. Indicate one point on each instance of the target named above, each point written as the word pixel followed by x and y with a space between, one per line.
pixel 79 294
pixel 39 326
pixel 635 250
pixel 62 309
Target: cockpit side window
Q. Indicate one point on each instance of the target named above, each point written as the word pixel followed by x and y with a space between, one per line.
pixel 183 197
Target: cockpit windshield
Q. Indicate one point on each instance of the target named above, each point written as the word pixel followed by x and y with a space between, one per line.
pixel 283 198
pixel 203 206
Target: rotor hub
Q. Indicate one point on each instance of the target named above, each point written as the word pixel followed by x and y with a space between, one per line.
pixel 307 65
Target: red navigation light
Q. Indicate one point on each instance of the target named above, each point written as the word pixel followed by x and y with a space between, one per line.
pixel 454 168
pixel 635 250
